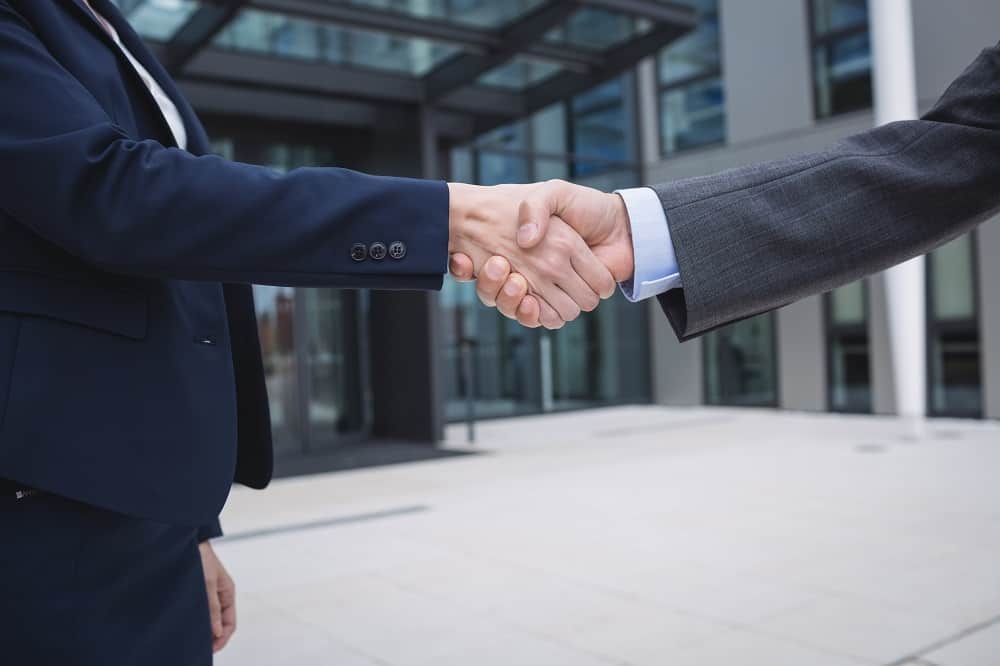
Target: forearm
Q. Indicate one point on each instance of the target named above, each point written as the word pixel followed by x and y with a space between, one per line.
pixel 754 239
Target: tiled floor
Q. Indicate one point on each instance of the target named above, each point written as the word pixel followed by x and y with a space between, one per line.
pixel 643 536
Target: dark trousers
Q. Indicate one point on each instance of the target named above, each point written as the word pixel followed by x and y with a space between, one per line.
pixel 81 586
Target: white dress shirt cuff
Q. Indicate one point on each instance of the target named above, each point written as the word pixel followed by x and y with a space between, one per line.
pixel 656 269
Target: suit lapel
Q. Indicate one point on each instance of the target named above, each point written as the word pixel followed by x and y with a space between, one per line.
pixel 197 140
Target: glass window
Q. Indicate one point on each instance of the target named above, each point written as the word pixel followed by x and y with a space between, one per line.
pixel 693 116
pixel 489 14
pixel 158 20
pixel 740 364
pixel 602 136
pixel 692 94
pixel 548 128
pixel 497 168
pixel 955 374
pixel 842 61
pixel 277 34
pixel 601 358
pixel 520 72
pixel 310 338
pixel 833 15
pixel 596 29
pixel 849 354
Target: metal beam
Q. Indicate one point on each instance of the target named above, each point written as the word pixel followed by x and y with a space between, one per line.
pixel 323 81
pixel 288 74
pixel 567 84
pixel 473 40
pixel 198 31
pixel 654 10
pixel 517 37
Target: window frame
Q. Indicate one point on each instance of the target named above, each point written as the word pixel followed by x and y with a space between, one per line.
pixel 663 88
pixel 826 41
pixel 933 326
pixel 832 328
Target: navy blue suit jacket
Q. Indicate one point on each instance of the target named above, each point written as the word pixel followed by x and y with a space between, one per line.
pixel 130 371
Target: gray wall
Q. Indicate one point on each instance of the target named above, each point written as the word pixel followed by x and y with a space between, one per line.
pixel 802 356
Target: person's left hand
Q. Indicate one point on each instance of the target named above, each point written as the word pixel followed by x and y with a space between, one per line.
pixel 221 597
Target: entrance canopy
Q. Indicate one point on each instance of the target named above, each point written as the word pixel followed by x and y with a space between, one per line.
pixel 476 64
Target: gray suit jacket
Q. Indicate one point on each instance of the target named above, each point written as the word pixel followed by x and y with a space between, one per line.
pixel 759 237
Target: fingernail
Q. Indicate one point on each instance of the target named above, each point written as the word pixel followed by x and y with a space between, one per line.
pixel 494 269
pixel 526 233
pixel 512 289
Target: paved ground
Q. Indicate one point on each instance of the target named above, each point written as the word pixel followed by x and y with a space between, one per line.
pixel 641 536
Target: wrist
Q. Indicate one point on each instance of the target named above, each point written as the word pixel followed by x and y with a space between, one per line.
pixel 622 237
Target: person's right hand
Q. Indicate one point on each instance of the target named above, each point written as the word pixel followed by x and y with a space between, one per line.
pixel 600 218
pixel 557 267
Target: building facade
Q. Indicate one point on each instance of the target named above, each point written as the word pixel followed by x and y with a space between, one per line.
pixel 796 76
pixel 609 93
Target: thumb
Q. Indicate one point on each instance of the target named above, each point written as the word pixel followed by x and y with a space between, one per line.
pixel 536 210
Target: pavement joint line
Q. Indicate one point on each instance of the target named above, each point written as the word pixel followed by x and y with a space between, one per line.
pixel 328 522
pixel 917 657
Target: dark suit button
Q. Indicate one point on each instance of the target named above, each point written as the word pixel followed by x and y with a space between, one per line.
pixel 397 250
pixel 359 251
pixel 377 251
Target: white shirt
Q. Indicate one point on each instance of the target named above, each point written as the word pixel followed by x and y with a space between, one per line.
pixel 167 107
pixel 656 268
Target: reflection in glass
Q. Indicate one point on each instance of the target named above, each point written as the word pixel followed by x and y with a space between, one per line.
pixel 548 128
pixel 954 293
pixel 692 97
pixel 488 14
pixel 158 20
pixel 596 29
pixel 697 53
pixel 693 116
pixel 506 371
pixel 833 15
pixel 953 323
pixel 843 76
pixel 519 73
pixel 740 364
pixel 849 374
pixel 497 168
pixel 276 328
pixel 277 34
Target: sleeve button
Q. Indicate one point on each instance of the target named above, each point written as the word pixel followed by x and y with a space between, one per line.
pixel 377 251
pixel 397 250
pixel 359 252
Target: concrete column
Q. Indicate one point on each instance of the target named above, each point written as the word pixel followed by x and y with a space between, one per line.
pixel 896 99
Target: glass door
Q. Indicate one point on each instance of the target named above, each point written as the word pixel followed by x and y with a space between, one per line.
pixel 740 364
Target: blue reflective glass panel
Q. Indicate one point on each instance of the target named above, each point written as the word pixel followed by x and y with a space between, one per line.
pixel 843 75
pixel 276 34
pixel 696 53
pixel 488 14
pixel 596 29
pixel 833 15
pixel 519 73
pixel 693 116
pixel 158 20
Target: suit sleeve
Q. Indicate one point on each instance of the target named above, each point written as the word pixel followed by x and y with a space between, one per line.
pixel 208 532
pixel 74 177
pixel 756 238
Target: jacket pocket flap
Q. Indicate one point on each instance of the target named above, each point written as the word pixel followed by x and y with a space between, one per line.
pixel 106 309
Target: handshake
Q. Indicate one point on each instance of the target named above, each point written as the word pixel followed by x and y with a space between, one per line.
pixel 541 253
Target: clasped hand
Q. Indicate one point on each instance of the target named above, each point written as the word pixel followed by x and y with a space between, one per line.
pixel 540 253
